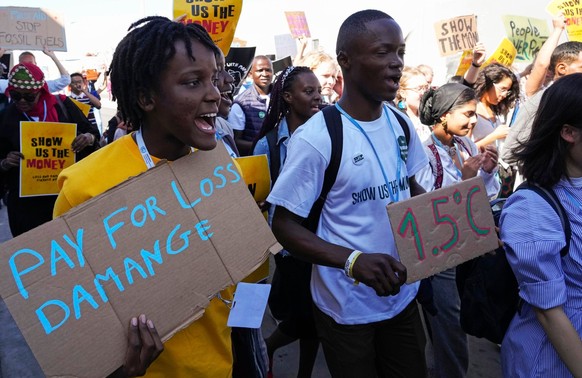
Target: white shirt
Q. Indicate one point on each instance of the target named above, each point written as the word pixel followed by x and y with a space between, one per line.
pixel 354 214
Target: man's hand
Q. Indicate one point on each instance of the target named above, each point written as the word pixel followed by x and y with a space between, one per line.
pixel 82 141
pixel 12 160
pixel 381 272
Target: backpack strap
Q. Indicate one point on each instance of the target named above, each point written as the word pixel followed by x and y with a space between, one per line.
pixel 62 106
pixel 550 197
pixel 403 124
pixel 274 155
pixel 333 122
pixel 438 170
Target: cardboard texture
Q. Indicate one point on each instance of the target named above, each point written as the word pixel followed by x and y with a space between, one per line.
pixel 442 229
pixel 194 218
pixel 456 34
pixel 31 29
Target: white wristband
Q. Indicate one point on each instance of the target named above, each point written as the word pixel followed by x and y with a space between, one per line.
pixel 349 265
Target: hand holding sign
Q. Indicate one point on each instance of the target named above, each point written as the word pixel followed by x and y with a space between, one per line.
pixel 381 272
pixel 441 229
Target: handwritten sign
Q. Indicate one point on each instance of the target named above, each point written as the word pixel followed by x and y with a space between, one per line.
pixel 504 54
pixel 219 18
pixel 46 147
pixel 573 12
pixel 31 29
pixel 441 229
pixel 527 35
pixel 161 243
pixel 456 34
pixel 298 24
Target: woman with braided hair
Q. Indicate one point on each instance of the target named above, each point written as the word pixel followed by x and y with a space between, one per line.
pixel 164 78
pixel 295 97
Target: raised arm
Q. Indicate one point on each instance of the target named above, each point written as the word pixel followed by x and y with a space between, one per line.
pixel 479 54
pixel 536 78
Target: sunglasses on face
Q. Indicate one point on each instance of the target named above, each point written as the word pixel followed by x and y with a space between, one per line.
pixel 17 96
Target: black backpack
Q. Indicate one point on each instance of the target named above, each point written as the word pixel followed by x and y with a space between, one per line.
pixel 487 286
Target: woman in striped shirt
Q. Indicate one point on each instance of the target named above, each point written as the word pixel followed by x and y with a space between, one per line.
pixel 543 339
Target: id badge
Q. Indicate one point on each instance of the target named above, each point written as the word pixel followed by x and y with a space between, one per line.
pixel 248 305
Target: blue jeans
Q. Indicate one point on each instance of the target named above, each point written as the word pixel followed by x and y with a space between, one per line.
pixel 16 358
pixel 451 355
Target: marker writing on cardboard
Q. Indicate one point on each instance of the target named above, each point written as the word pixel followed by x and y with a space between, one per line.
pixel 409 222
pixel 26 260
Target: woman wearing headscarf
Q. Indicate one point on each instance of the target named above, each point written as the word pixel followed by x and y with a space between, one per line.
pixel 453 157
pixel 31 101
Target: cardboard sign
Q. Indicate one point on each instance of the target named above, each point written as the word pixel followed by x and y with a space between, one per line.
pixel 504 54
pixel 456 34
pixel 298 24
pixel 527 35
pixel 441 229
pixel 465 62
pixel 31 29
pixel 162 244
pixel 46 147
pixel 573 12
pixel 219 18
pixel 255 171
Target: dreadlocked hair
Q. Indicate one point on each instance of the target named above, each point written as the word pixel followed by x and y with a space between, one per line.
pixel 278 107
pixel 141 57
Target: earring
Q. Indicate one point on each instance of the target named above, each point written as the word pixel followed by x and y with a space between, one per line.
pixel 402 104
pixel 444 124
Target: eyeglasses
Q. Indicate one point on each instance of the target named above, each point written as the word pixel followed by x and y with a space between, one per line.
pixel 420 89
pixel 503 92
pixel 17 96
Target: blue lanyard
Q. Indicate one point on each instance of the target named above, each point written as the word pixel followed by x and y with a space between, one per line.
pixel 438 143
pixel 393 197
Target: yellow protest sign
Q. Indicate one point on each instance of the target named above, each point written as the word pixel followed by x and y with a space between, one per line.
pixel 465 62
pixel 85 108
pixel 255 172
pixel 504 54
pixel 573 12
pixel 219 18
pixel 46 147
pixel 527 35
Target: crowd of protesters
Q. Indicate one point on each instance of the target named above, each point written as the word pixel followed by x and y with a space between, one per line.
pixel 331 125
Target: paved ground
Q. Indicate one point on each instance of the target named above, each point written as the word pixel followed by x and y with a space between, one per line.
pixel 484 356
